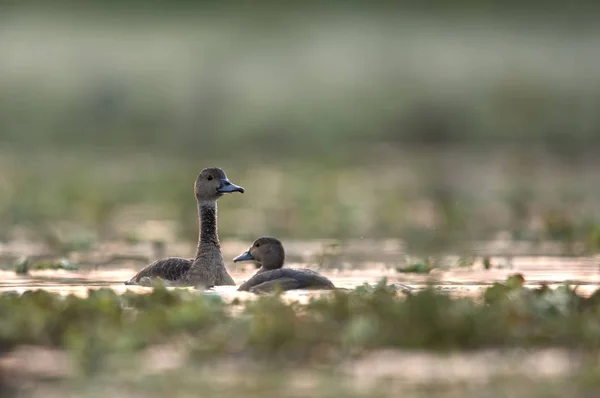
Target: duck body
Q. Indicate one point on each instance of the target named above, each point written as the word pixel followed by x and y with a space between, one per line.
pixel 170 270
pixel 207 269
pixel 269 252
pixel 286 279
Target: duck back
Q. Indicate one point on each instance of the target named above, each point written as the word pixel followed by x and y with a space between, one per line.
pixel 286 279
pixel 169 269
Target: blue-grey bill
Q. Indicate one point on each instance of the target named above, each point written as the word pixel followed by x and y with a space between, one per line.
pixel 243 257
pixel 228 187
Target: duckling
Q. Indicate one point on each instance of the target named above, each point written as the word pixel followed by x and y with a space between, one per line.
pixel 207 268
pixel 269 254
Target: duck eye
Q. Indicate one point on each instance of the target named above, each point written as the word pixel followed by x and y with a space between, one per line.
pixel 209 178
pixel 257 245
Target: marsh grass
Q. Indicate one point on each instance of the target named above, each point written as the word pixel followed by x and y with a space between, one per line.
pixel 90 198
pixel 180 341
pixel 326 330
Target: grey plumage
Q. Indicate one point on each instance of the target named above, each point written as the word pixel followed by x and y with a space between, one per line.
pixel 207 268
pixel 287 279
pixel 169 269
pixel 269 252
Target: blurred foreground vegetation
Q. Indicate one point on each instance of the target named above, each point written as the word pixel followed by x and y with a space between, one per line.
pixel 327 330
pixel 107 334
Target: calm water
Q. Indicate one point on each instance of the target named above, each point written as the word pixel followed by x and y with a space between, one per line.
pixel 463 281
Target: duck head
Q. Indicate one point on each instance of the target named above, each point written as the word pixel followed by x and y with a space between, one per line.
pixel 212 183
pixel 266 251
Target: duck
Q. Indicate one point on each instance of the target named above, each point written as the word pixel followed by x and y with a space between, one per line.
pixel 269 254
pixel 207 268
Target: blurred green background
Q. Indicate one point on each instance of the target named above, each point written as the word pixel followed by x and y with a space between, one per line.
pixel 436 122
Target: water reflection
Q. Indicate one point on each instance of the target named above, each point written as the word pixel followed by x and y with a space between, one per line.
pixel 458 281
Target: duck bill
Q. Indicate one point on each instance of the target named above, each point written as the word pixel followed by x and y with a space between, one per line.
pixel 228 187
pixel 244 257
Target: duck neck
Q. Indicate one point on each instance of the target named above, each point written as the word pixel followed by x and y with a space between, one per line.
pixel 271 265
pixel 207 219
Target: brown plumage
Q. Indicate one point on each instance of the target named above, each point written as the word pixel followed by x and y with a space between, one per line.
pixel 207 268
pixel 268 252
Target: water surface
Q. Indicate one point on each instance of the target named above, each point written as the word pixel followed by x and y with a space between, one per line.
pixel 463 281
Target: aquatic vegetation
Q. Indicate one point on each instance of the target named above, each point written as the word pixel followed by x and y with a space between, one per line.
pixel 327 329
pixel 500 290
pixel 418 267
pixel 487 262
pixel 23 265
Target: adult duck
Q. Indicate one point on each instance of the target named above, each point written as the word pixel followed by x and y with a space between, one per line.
pixel 207 268
pixel 268 252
